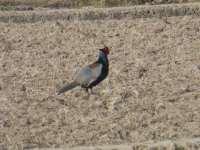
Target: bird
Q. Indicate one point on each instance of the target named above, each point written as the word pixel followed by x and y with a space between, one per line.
pixel 91 75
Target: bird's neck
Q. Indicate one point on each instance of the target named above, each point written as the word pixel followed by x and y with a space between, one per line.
pixel 103 56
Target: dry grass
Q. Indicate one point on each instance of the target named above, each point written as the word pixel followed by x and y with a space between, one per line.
pixel 151 93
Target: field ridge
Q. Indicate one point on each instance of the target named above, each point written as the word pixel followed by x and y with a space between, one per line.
pixel 90 13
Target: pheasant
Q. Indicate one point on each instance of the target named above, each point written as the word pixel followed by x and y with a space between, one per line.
pixel 92 74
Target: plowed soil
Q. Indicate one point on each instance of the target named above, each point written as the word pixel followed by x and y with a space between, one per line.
pixel 152 92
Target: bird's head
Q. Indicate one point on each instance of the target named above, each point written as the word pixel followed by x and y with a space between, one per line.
pixel 105 50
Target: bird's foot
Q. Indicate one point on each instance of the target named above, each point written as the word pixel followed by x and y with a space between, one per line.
pixel 89 93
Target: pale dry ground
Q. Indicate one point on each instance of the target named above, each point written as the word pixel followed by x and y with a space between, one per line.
pixel 151 93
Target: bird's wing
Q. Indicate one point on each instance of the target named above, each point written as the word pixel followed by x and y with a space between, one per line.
pixel 88 74
pixel 96 69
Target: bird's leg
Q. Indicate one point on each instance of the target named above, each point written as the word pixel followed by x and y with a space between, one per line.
pixel 91 91
pixel 86 89
pixel 88 93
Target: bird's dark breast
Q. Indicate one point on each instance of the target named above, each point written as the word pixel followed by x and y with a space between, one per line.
pixel 104 74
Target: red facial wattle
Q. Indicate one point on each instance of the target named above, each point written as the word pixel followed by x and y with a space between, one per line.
pixel 106 50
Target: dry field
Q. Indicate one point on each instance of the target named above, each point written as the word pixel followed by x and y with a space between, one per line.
pixel 152 93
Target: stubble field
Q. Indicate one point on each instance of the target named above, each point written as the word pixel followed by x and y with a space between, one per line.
pixel 150 94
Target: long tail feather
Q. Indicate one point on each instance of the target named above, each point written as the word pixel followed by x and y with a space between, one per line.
pixel 68 87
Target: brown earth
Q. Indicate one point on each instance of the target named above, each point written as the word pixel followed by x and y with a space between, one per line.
pixel 151 93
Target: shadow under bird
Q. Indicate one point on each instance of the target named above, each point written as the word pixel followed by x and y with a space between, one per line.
pixel 91 75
